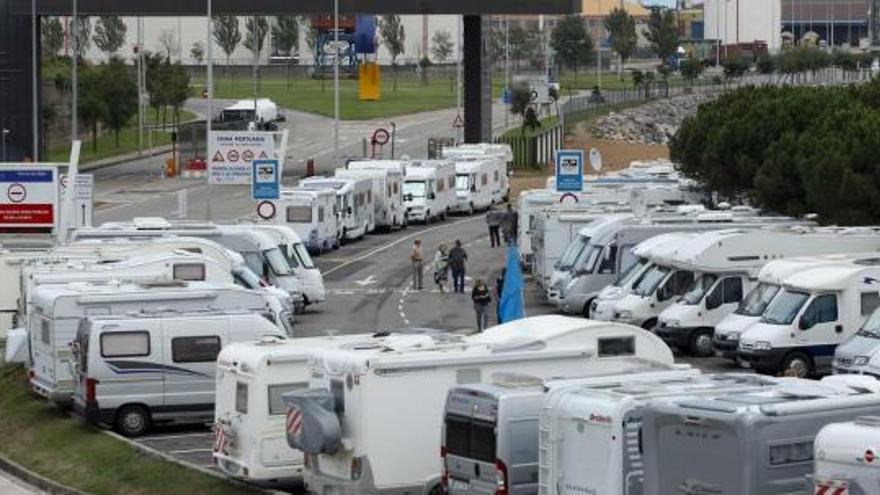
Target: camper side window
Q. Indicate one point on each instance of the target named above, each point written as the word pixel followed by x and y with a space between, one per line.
pixel 823 309
pixel 396 188
pixel 791 453
pixel 484 179
pixel 241 397
pixel 496 176
pixel 451 182
pixel 45 335
pixel 733 290
pixel 320 213
pixel 608 262
pixel 617 346
pixel 299 214
pixel 276 402
pixel 195 349
pixel 189 271
pixel 870 302
pixel 125 344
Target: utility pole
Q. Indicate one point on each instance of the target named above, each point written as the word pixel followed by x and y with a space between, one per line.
pixel 255 33
pixel 210 90
pixel 74 111
pixel 507 68
pixel 35 152
pixel 336 84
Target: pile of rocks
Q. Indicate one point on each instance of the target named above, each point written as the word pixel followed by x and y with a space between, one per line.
pixel 652 123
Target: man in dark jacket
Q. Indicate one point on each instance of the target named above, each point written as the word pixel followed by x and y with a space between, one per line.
pixel 493 220
pixel 457 258
pixel 510 225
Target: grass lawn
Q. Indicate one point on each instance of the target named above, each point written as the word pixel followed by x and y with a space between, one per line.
pixel 106 143
pixel 316 96
pixel 39 437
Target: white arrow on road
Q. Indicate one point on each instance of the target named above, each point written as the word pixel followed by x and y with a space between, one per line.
pixel 365 282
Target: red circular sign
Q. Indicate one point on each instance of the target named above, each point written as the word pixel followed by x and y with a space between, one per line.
pixel 381 136
pixel 569 195
pixel 869 456
pixel 16 193
pixel 247 156
pixel 232 155
pixel 266 210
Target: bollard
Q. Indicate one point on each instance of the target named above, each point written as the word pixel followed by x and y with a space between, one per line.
pixel 310 167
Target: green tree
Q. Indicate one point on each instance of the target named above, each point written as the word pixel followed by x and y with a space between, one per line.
pixel 256 28
pixel 91 105
pixel 622 28
pixel 109 34
pixel 227 35
pixel 441 46
pixel 176 80
pixel 197 52
pixel 572 44
pixel 83 34
pixel 394 37
pixel 168 40
pixel 51 36
pixel 119 93
pixel 690 69
pixel 662 33
pixel 285 32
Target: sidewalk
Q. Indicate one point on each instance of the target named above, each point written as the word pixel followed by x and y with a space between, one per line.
pixel 11 486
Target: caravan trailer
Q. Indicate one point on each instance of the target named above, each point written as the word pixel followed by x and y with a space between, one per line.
pixel 846 458
pixel 134 371
pixel 387 193
pixel 359 437
pixel 312 214
pixel 429 190
pixel 354 203
pixel 747 443
pixel 56 311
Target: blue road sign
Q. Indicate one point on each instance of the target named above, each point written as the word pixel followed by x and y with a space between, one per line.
pixel 507 96
pixel 570 170
pixel 265 179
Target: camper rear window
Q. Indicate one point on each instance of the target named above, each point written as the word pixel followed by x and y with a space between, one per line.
pixel 472 439
pixel 276 402
pixel 195 349
pixel 189 271
pixel 44 331
pixel 241 397
pixel 617 346
pixel 299 214
pixel 125 344
pixel 791 453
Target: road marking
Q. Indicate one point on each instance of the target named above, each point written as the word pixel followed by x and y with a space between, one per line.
pixel 398 241
pixel 189 451
pixel 367 281
pixel 169 437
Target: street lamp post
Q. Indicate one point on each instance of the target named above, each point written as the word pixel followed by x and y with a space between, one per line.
pixel 210 90
pixel 336 84
pixel 5 132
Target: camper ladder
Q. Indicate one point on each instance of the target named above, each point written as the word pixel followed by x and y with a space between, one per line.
pixel 545 453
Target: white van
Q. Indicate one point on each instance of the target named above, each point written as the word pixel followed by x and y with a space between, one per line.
pixel 132 372
pixel 371 419
pixel 726 264
pixel 815 311
pixel 846 458
pixel 312 214
pixel 429 190
pixel 354 203
pixel 56 311
pixel 387 182
pixel 473 185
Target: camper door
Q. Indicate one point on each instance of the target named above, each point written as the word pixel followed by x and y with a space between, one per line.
pixel 820 327
pixel 190 348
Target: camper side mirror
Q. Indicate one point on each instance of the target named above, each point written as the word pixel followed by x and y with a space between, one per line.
pixel 473 188
pixel 431 196
pixel 348 210
pixel 806 322
pixel 713 300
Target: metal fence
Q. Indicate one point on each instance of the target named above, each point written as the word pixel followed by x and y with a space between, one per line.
pixel 530 151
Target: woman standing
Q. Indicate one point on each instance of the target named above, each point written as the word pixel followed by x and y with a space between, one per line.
pixel 482 298
pixel 441 267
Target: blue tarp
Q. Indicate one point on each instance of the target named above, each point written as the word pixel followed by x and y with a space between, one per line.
pixel 511 291
pixel 365 34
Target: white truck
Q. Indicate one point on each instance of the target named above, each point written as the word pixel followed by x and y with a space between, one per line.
pixel 429 190
pixel 359 436
pixel 354 203
pixel 387 193
pixel 473 185
pixel 312 214
pixel 846 458
pixel 243 110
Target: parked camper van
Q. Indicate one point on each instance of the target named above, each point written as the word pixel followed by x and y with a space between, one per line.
pixel 858 353
pixel 56 311
pixel 474 185
pixel 815 311
pixel 387 184
pixel 725 264
pixel 429 190
pixel 845 458
pixel 312 214
pixel 490 430
pixel 359 439
pixel 354 203
pixel 135 371
pixel 747 443
pixel 500 154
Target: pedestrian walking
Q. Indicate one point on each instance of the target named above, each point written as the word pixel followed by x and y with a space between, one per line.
pixel 441 267
pixel 499 289
pixel 493 220
pixel 415 256
pixel 457 260
pixel 510 225
pixel 482 298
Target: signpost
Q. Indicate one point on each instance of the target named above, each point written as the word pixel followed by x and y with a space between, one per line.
pixel 232 153
pixel 28 197
pixel 265 180
pixel 569 170
pixel 82 198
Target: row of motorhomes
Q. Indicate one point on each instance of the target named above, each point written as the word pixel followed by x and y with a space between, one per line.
pixel 370 195
pixel 547 404
pixel 136 312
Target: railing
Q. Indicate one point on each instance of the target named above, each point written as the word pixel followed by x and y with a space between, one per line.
pixel 533 150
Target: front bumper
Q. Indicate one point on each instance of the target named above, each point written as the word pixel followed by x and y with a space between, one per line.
pixel 675 336
pixel 416 215
pixel 768 362
pixel 727 347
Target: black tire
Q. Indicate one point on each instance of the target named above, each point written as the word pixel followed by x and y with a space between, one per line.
pixel 701 343
pixel 132 421
pixel 650 324
pixel 587 311
pixel 797 364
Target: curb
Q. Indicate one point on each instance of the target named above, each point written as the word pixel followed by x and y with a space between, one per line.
pixel 113 161
pixel 35 480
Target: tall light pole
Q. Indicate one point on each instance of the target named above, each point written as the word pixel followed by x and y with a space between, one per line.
pixel 255 44
pixel 74 133
pixel 35 152
pixel 507 68
pixel 210 90
pixel 458 42
pixel 336 84
pixel 5 132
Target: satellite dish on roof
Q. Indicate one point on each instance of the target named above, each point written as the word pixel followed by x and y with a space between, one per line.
pixel 596 159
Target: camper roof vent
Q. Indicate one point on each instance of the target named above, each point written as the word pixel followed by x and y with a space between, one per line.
pixel 151 223
pixel 872 421
pixel 163 283
pixel 519 344
pixel 516 380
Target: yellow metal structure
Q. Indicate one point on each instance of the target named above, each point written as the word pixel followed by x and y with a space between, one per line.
pixel 368 81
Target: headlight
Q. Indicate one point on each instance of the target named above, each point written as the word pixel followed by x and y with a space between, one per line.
pixel 861 360
pixel 733 336
pixel 762 345
pixel 672 323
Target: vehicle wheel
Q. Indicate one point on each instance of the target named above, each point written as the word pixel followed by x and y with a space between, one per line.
pixel 586 311
pixel 650 324
pixel 701 343
pixel 132 421
pixel 797 364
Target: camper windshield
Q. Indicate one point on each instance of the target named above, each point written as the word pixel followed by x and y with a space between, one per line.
pixel 572 252
pixel 462 183
pixel 277 261
pixel 246 277
pixel 701 287
pixel 589 257
pixel 871 328
pixel 757 299
pixel 414 189
pixel 305 259
pixel 649 282
pixel 627 275
pixel 784 309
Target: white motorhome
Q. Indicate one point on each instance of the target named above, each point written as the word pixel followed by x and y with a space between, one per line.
pixel 500 154
pixel 474 185
pixel 132 372
pixel 387 182
pixel 312 214
pixel 372 417
pixel 354 203
pixel 56 311
pixel 725 265
pixel 815 311
pixel 846 458
pixel 429 190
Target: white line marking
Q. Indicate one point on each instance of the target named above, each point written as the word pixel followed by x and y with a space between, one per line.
pixel 169 437
pixel 189 451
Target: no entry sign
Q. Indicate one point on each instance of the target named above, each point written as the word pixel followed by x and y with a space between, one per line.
pixel 28 196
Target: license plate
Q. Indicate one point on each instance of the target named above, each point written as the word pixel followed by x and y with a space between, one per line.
pixel 459 485
pixel 744 364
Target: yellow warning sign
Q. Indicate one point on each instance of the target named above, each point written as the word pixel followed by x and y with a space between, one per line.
pixel 368 81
